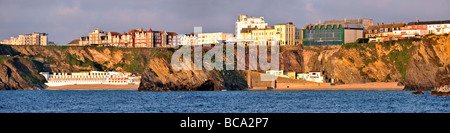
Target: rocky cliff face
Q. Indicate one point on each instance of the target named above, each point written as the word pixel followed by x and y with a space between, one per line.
pixel 162 77
pixel 353 63
pixel 432 54
pixel 414 62
pixel 34 59
pixel 20 74
pixel 442 85
pixel 26 62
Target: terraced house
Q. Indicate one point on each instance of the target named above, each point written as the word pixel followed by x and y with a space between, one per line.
pixel 135 38
pixel 383 32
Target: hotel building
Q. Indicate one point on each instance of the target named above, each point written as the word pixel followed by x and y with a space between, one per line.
pixel 213 38
pixel 248 22
pixel 283 33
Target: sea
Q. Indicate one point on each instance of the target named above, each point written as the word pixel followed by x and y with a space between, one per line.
pixel 132 101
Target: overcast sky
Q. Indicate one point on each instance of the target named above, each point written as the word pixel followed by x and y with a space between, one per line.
pixel 65 20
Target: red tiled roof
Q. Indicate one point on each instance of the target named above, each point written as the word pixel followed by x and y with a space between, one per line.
pixel 132 31
pixel 172 33
pixel 114 33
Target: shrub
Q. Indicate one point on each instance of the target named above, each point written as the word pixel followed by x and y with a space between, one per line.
pixel 362 40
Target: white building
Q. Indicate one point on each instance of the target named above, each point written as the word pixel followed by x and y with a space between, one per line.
pixel 213 38
pixel 439 29
pixel 248 22
pixel 275 72
pixel 434 27
pixel 410 33
pixel 34 38
pixel 311 76
pixel 188 39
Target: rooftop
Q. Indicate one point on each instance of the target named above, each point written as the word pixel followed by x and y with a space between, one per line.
pixel 428 22
pixel 391 25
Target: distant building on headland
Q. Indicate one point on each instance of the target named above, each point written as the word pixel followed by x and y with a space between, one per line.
pixel 285 34
pixel 244 21
pixel 414 29
pixel 213 38
pixel 92 77
pixel 34 38
pixel 434 27
pixel 74 42
pixel 132 39
pixel 335 32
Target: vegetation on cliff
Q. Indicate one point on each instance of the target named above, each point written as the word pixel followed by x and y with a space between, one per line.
pixel 430 55
pixel 20 74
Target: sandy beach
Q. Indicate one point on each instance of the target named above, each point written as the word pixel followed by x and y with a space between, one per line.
pixel 94 87
pixel 362 86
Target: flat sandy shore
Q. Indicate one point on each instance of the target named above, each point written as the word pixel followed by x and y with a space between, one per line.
pixel 363 86
pixel 94 87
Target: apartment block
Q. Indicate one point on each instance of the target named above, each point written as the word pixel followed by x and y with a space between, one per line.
pixel 34 38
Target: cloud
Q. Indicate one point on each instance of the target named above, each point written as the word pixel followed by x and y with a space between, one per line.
pixel 309 7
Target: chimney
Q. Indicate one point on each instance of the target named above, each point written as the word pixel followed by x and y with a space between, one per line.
pixel 378 23
pixel 382 22
pixel 417 20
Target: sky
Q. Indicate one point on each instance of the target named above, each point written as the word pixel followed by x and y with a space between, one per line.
pixel 65 20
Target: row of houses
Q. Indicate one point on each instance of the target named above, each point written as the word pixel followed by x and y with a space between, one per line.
pixel 134 38
pixel 254 30
pixel 416 29
pixel 338 32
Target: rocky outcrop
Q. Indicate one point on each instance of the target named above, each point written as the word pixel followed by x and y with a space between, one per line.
pixel 417 93
pixel 422 73
pixel 162 77
pixel 442 84
pixel 20 74
pixel 359 63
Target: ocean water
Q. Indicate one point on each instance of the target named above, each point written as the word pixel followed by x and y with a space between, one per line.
pixel 129 101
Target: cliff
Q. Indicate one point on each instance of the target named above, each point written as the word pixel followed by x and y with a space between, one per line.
pixel 426 70
pixel 442 85
pixel 162 77
pixel 20 74
pixel 23 64
pixel 353 62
